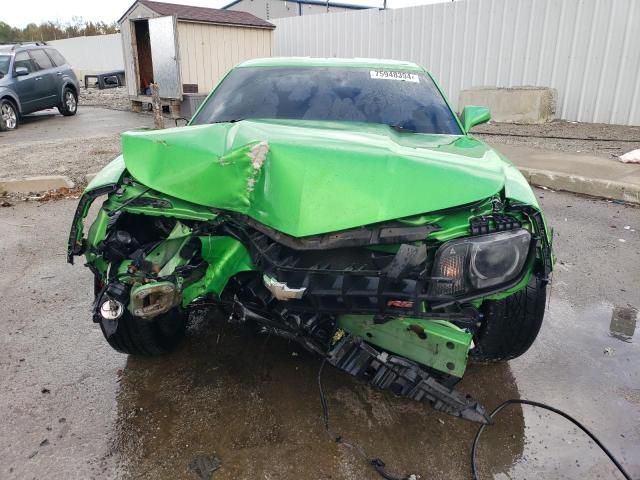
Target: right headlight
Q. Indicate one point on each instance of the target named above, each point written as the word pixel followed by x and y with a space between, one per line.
pixel 479 263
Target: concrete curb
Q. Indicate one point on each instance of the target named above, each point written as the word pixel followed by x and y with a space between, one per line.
pixel 594 187
pixel 35 184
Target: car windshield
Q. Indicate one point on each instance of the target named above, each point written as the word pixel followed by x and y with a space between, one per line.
pixel 4 64
pixel 404 100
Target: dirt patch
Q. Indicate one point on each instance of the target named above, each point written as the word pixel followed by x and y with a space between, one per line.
pixel 114 98
pixel 71 157
pixel 597 139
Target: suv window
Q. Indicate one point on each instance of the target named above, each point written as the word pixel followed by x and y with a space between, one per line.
pixel 57 58
pixel 5 60
pixel 41 59
pixel 24 60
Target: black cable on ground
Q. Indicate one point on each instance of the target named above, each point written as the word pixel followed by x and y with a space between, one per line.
pixel 377 464
pixel 476 440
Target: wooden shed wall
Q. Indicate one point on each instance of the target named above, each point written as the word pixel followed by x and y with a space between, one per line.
pixel 207 52
pixel 129 51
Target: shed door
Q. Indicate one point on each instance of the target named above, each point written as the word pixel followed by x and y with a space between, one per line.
pixel 166 72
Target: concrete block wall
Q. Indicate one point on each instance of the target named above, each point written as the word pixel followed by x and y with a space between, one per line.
pixel 517 104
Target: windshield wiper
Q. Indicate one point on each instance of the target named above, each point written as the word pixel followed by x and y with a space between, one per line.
pixel 234 120
pixel 400 128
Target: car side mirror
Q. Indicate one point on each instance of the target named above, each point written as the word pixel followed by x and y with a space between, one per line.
pixel 473 115
pixel 22 71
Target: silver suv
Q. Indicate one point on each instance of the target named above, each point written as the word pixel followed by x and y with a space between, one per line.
pixel 34 77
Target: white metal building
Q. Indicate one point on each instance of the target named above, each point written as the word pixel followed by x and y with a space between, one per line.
pixel 269 9
pixel 185 49
pixel 80 52
pixel 588 50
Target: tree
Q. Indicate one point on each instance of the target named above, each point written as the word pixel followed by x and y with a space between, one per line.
pixel 8 33
pixel 55 30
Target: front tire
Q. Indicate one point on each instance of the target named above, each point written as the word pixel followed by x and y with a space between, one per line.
pixel 510 325
pixel 69 104
pixel 8 115
pixel 156 336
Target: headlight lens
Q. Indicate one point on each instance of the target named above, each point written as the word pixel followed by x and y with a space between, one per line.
pixel 477 263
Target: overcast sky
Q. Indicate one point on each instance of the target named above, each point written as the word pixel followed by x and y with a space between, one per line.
pixel 18 13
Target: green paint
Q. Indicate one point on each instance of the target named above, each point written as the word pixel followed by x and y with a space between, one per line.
pixel 226 257
pixel 109 175
pixel 308 174
pixel 472 116
pixel 437 344
pixel 97 233
pixel 177 208
pixel 167 256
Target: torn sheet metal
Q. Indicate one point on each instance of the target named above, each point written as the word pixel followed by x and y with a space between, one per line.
pixel 196 166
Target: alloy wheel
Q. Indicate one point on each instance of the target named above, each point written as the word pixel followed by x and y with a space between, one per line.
pixel 70 101
pixel 9 117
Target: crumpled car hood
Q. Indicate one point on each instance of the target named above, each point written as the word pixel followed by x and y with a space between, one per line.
pixel 307 177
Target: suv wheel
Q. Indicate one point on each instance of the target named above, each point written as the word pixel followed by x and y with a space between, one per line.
pixel 8 115
pixel 69 105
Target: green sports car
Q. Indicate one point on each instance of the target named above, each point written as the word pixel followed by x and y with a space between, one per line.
pixel 341 204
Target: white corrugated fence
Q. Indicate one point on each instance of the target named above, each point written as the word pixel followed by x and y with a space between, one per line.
pixel 589 50
pixel 100 53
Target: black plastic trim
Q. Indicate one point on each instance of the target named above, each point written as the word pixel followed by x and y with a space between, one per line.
pixel 381 234
pixel 340 291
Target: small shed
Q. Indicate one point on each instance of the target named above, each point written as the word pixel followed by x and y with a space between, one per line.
pixel 186 50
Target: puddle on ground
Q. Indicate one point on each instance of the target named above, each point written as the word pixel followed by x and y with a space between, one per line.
pixel 623 323
pixel 232 405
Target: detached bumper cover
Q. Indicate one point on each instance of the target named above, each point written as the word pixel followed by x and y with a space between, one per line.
pixel 402 377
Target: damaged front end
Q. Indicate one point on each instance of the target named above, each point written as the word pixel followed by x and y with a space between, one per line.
pixel 396 303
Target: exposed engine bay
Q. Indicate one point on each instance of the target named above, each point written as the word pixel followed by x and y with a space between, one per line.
pixel 396 304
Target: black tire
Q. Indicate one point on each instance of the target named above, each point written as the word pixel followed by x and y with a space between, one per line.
pixel 69 104
pixel 9 116
pixel 510 325
pixel 157 336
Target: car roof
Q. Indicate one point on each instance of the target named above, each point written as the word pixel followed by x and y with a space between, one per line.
pixel 331 62
pixel 16 47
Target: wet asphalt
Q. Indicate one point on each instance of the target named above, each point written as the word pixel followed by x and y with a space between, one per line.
pixel 70 407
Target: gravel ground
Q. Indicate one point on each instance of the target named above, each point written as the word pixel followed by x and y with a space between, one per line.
pixel 73 158
pixel 590 138
pixel 115 98
pixel 47 143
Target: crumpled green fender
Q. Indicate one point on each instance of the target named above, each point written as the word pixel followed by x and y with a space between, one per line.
pixel 226 257
pixel 517 188
pixel 102 184
pixel 109 175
